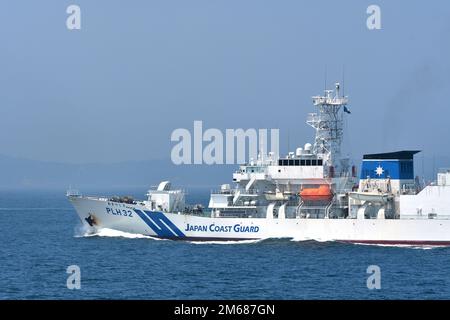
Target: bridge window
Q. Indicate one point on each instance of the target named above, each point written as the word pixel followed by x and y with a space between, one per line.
pixel 308 162
pixel 297 162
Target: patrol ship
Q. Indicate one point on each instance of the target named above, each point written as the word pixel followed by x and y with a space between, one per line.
pixel 310 194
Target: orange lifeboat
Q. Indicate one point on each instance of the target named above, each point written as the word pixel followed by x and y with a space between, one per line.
pixel 320 192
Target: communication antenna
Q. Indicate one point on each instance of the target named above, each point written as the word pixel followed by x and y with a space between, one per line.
pixel 423 165
pixel 343 80
pixel 288 141
pixel 325 83
pixel 261 148
pixel 434 167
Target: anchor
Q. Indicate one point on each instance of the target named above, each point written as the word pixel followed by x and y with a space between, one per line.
pixel 90 220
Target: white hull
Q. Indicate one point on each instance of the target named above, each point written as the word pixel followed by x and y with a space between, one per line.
pixel 137 219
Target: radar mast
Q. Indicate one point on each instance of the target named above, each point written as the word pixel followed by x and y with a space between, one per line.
pixel 329 125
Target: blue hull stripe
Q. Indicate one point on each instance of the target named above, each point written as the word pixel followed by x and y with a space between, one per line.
pixel 150 223
pixel 166 232
pixel 160 217
pixel 155 221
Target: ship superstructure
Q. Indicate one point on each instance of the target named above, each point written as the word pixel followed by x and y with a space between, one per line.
pixel 311 182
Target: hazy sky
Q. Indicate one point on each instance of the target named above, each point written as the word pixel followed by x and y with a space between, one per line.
pixel 137 70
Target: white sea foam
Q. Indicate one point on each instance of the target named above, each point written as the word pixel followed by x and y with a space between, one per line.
pixel 83 231
pixel 406 246
pixel 105 232
pixel 227 242
pixel 301 239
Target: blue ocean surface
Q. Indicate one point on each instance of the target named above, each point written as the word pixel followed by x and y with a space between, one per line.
pixel 40 237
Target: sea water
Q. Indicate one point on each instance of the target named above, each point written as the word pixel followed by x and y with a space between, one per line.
pixel 41 236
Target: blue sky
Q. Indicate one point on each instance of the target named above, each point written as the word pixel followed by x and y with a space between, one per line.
pixel 116 89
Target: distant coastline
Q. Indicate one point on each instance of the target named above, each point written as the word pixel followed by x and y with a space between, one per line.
pixel 19 173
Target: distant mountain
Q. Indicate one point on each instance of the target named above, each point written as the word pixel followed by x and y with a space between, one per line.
pixel 23 173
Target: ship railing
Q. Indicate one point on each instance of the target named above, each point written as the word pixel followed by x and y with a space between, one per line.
pixel 102 198
pixel 243 192
pixel 73 193
pixel 233 213
pixel 203 213
pixel 220 191
pixel 409 189
pixel 172 191
pixel 377 185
